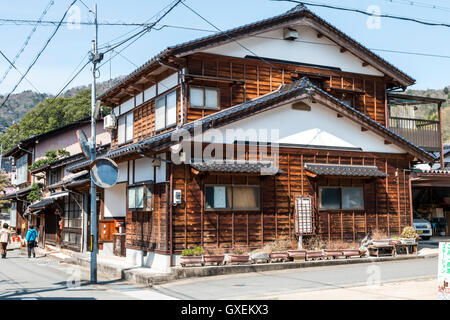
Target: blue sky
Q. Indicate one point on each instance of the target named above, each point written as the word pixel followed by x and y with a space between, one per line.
pixel 69 46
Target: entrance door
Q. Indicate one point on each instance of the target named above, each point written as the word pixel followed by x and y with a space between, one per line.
pixel 50 228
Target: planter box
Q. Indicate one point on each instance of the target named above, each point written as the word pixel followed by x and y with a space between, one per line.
pixel 380 243
pixel 214 259
pixel 237 258
pixel 408 241
pixel 314 255
pixel 297 254
pixel 395 242
pixel 333 253
pixel 351 253
pixel 187 260
pixel 283 256
pixel 260 257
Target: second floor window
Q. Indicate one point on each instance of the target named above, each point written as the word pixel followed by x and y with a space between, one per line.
pixel 54 176
pixel 205 98
pixel 166 111
pixel 21 169
pixel 125 132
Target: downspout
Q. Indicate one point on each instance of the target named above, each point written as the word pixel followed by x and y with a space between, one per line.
pixel 440 135
pixel 170 214
pixel 180 70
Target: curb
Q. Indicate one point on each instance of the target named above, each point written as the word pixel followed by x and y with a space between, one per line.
pixel 179 273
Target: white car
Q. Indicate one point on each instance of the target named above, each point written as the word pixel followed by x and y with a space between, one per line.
pixel 423 228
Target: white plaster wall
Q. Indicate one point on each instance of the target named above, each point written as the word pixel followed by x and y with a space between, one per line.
pixel 155 261
pixel 108 250
pixel 143 170
pixel 305 50
pixel 320 126
pixel 123 174
pixel 116 201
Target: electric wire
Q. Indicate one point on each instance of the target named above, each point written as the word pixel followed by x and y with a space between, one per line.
pixel 38 55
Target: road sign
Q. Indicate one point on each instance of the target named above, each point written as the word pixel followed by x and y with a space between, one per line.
pixel 444 270
pixel 84 144
pixel 104 172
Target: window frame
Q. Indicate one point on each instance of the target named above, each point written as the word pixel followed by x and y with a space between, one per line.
pixel 232 208
pixel 340 198
pixel 204 107
pixel 147 185
pixel 124 116
pixel 23 166
pixel 164 96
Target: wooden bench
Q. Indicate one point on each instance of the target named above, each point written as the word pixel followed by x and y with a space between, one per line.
pixel 378 251
pixel 408 248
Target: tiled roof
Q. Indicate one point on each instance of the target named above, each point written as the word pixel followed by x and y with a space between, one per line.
pixel 344 170
pixel 217 38
pixel 262 167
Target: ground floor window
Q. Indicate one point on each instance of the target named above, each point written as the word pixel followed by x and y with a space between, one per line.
pixel 341 198
pixel 72 219
pixel 232 197
pixel 140 197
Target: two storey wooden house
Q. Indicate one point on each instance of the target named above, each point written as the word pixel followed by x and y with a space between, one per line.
pixel 319 100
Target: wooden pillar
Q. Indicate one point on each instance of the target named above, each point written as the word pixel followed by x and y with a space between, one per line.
pixel 440 135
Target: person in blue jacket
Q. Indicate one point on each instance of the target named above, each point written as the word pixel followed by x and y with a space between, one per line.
pixel 31 237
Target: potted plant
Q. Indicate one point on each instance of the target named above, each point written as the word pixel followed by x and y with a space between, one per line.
pixel 192 256
pixel 214 255
pixel 279 249
pixel 238 255
pixel 409 236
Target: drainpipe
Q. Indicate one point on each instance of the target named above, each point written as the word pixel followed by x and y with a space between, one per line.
pixel 440 135
pixel 180 70
pixel 170 214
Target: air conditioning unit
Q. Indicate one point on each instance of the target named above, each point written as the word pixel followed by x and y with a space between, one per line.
pixel 290 34
pixel 109 122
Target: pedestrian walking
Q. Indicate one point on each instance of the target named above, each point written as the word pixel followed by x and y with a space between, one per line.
pixel 31 237
pixel 5 238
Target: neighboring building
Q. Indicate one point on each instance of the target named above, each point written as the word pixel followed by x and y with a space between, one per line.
pixel 341 160
pixel 55 210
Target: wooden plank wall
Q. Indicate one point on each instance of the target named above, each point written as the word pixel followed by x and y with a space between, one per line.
pixel 261 78
pixel 386 202
pixel 148 230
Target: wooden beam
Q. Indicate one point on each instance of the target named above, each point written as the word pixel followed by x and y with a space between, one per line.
pixel 365 64
pixel 340 115
pixel 342 50
pixel 363 129
pixel 319 35
pixel 387 142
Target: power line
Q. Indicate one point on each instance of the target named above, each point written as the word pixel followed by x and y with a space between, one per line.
pixel 137 35
pixel 12 65
pixel 241 45
pixel 310 42
pixel 419 4
pixel 424 22
pixel 28 38
pixel 38 55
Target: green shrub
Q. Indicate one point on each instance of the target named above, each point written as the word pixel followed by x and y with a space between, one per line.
pixel 198 251
pixel 409 232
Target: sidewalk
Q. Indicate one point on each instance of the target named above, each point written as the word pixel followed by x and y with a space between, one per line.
pixel 116 267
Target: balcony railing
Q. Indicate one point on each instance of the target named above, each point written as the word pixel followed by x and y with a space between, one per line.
pixel 424 133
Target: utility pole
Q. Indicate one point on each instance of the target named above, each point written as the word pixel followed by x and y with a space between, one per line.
pixel 95 58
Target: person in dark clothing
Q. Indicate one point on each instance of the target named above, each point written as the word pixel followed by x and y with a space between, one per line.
pixel 31 237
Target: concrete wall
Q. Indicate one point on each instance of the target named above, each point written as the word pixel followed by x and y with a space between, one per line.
pixel 68 141
pixel 156 261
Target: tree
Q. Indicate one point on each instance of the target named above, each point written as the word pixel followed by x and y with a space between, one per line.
pixel 446 90
pixel 5 182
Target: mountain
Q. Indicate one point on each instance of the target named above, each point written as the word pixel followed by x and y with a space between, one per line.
pixel 19 104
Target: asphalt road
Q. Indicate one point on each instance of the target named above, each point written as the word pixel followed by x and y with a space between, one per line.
pixel 41 278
